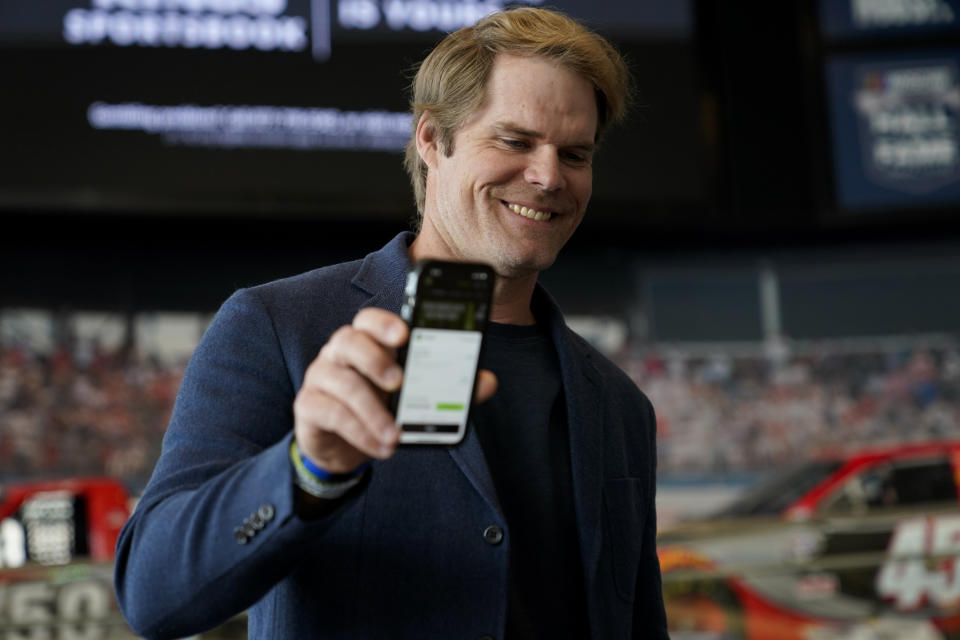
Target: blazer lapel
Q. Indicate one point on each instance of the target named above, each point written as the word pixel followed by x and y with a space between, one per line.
pixel 383 273
pixel 469 457
pixel 583 386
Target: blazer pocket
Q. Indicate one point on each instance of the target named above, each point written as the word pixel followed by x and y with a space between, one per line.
pixel 623 500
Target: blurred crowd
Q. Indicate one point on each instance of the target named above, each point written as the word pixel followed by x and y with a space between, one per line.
pixel 721 415
pixel 76 413
pixel 93 411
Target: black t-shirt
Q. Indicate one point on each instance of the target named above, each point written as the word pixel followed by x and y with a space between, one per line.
pixel 524 435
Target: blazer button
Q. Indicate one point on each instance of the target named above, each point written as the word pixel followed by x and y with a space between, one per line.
pixel 266 512
pixel 240 536
pixel 493 534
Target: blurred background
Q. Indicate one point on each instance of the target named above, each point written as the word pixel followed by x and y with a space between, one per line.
pixel 772 250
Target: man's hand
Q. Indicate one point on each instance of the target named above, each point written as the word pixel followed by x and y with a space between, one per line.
pixel 340 413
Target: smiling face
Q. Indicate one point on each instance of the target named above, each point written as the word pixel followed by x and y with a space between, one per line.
pixel 518 181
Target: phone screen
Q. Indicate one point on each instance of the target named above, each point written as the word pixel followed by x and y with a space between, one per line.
pixel 441 364
pixel 442 355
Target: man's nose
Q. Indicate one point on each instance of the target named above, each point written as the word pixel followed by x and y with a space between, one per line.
pixel 544 169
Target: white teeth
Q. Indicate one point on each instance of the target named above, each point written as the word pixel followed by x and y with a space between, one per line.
pixel 533 214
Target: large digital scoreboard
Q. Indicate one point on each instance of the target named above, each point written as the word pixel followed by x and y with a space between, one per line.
pixel 281 106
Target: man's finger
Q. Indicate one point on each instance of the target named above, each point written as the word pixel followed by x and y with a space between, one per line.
pixel 332 435
pixel 486 385
pixel 385 326
pixel 356 394
pixel 360 351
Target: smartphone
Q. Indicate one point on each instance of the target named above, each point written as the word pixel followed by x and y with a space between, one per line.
pixel 446 305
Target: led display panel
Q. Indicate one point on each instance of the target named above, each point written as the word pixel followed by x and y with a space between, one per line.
pixel 265 106
pixel 895 129
pixel 885 19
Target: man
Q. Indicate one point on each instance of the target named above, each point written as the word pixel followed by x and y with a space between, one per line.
pixel 281 488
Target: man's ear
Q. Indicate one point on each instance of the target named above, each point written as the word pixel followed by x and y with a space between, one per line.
pixel 428 140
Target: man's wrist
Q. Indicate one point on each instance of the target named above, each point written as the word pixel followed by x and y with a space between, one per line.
pixel 321 483
pixel 322 475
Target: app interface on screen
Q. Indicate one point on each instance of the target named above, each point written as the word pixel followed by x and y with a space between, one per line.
pixel 442 362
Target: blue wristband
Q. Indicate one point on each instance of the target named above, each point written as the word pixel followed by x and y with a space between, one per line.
pixel 324 475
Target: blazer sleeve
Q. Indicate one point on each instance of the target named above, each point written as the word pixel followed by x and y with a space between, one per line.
pixel 649 615
pixel 215 527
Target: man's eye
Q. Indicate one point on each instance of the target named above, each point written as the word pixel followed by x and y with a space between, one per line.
pixel 514 143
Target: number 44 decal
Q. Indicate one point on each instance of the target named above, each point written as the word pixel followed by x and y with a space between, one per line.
pixel 923 564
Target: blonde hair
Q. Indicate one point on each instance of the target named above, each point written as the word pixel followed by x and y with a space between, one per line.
pixel 451 82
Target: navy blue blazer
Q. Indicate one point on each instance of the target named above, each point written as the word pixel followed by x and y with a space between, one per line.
pixel 215 531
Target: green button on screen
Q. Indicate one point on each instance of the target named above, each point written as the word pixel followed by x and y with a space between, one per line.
pixel 449 406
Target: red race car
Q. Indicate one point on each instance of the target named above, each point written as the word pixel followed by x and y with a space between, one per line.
pixel 857 546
